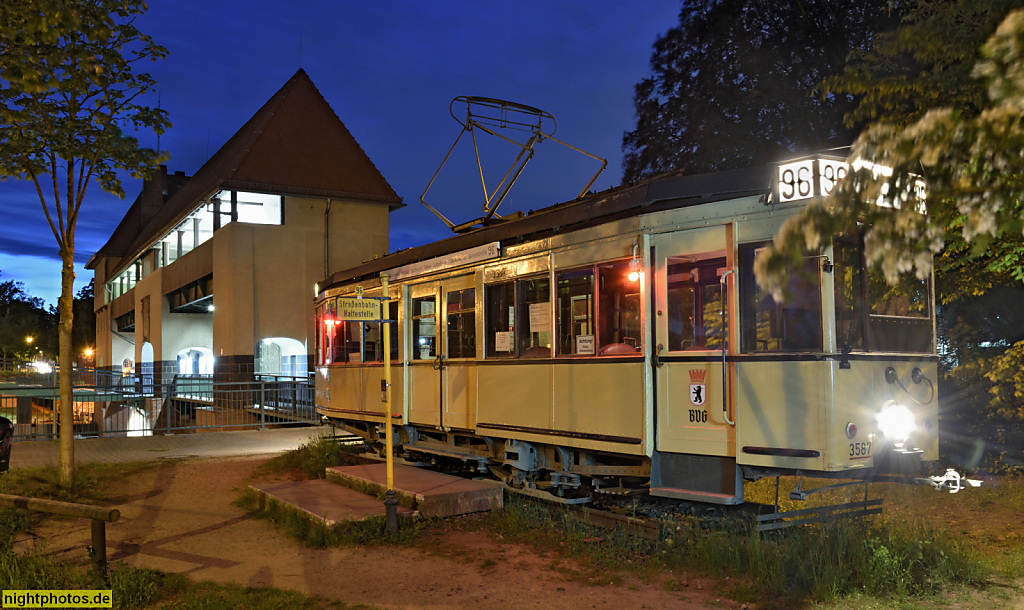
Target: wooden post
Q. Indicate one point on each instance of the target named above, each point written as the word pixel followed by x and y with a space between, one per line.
pixel 99 542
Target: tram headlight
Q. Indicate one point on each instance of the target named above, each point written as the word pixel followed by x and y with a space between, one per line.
pixel 896 422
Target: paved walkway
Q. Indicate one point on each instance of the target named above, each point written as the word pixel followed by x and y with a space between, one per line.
pixel 39 454
pixel 179 517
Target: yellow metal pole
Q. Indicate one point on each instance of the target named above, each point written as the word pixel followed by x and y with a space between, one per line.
pixel 390 498
pixel 387 378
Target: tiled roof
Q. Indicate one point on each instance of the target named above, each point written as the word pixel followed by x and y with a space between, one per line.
pixel 294 144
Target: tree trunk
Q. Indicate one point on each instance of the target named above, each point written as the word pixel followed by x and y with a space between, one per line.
pixel 65 305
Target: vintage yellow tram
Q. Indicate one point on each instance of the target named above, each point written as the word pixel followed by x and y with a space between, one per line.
pixel 623 335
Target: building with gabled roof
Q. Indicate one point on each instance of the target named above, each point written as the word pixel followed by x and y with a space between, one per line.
pixel 214 273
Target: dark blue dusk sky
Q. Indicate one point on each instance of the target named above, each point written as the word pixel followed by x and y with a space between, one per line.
pixel 389 70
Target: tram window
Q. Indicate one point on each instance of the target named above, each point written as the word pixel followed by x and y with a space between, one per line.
pixel 895 318
pixel 907 299
pixel 576 313
pixel 770 325
pixel 319 335
pixel 373 346
pixel 694 301
pixel 341 341
pixel 619 330
pixel 393 327
pixel 461 323
pixel 333 334
pixel 346 342
pixel 501 320
pixel 535 318
pixel 424 329
pixel 848 286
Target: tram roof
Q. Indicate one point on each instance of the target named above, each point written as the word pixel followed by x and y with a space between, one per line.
pixel 651 195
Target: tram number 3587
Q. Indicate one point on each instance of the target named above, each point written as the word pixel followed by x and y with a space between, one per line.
pixel 860 449
pixel 699 416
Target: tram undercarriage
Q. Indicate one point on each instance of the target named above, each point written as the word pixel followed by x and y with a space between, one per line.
pixel 573 475
pixel 559 470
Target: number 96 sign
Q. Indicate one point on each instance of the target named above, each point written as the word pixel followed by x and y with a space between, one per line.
pixel 808 178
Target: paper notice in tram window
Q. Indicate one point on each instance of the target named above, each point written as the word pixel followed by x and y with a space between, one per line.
pixel 540 316
pixel 503 342
pixel 585 345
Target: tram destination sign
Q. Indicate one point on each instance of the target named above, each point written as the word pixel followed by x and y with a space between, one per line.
pixel 818 176
pixel 355 309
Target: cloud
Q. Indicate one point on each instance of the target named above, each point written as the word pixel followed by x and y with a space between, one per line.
pixel 32 245
pixel 41 276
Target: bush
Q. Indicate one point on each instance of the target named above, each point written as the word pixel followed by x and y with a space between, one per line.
pixel 315 457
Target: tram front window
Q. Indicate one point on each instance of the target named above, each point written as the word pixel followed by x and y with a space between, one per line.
pixel 873 315
pixel 770 325
pixel 373 342
pixel 346 342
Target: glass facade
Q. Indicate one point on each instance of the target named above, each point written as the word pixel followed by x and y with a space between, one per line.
pixel 197 228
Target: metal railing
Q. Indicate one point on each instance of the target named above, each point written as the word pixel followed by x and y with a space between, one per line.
pixel 107 404
pixel 23 371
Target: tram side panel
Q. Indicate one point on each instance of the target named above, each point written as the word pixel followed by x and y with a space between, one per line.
pixel 354 392
pixel 601 401
pixel 780 414
pixel 460 395
pixel 424 395
pixel 515 395
pixel 590 405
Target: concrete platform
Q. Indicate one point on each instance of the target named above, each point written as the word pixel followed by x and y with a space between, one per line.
pixel 432 494
pixel 325 501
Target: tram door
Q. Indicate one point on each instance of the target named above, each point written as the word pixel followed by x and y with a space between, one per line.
pixel 442 362
pixel 688 294
pixel 458 350
pixel 424 380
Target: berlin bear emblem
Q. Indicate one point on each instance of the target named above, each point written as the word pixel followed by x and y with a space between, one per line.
pixel 698 394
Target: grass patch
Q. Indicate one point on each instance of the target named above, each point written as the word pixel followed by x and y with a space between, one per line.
pixel 132 588
pixel 1008 566
pixel 91 485
pixel 314 458
pixel 212 596
pixel 601 556
pixel 880 558
pixel 140 588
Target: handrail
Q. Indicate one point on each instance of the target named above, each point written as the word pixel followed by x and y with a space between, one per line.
pixel 97 514
pixel 725 344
